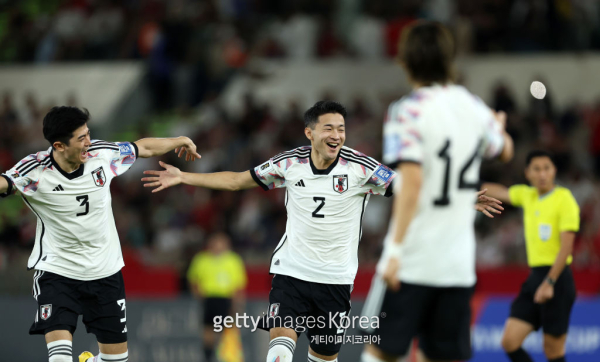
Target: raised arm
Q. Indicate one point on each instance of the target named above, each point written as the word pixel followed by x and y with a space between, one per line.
pixel 171 176
pixel 151 147
pixel 496 191
pixel 508 150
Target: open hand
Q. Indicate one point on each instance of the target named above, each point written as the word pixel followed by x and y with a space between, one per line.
pixel 189 148
pixel 166 178
pixel 487 204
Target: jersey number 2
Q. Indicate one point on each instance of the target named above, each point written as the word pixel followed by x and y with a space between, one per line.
pixel 84 199
pixel 316 212
pixel 444 200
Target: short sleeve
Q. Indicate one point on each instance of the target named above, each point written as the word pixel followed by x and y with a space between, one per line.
pixel 24 176
pixel 493 140
pixel 402 134
pixel 569 214
pixel 270 175
pixel 516 194
pixel 120 155
pixel 194 269
pixel 240 272
pixel 378 181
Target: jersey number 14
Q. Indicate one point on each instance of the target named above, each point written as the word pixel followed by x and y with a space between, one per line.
pixel 444 154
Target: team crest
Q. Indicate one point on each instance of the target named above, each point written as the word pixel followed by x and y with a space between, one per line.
pixel 99 177
pixel 273 309
pixel 45 311
pixel 340 183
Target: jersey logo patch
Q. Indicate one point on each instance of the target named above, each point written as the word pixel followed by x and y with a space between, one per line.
pixel 340 183
pixel 45 311
pixel 265 168
pixel 274 310
pixel 545 231
pixel 383 173
pixel 125 149
pixel 99 177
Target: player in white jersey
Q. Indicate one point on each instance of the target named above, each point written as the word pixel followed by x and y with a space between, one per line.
pixel 437 137
pixel 328 187
pixel 77 255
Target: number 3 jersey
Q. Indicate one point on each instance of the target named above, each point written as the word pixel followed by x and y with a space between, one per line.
pixel 76 235
pixel 448 131
pixel 324 211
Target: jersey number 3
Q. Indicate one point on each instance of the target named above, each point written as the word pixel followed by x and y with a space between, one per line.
pixel 84 199
pixel 444 154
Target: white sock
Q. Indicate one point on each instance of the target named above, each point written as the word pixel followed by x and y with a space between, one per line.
pixel 312 358
pixel 60 351
pixel 103 357
pixel 281 349
pixel 367 357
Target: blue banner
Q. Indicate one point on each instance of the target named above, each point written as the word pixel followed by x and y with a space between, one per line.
pixel 583 341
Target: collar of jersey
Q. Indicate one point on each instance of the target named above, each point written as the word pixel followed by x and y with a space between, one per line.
pixel 71 175
pixel 541 197
pixel 326 171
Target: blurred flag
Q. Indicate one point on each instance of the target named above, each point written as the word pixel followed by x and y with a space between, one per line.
pixel 230 349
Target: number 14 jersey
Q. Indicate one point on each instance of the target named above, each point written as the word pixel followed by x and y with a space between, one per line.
pixel 324 211
pixel 76 236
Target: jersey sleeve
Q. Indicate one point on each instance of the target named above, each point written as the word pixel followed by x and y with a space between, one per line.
pixel 402 134
pixel 24 176
pixel 240 273
pixel 270 175
pixel 568 219
pixel 119 155
pixel 516 194
pixel 493 139
pixel 377 181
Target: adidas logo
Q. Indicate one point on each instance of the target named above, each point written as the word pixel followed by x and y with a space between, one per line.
pixel 58 188
pixel 277 262
pixel 300 183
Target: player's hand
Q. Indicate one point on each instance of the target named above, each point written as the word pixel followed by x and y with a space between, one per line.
pixel 189 148
pixel 488 205
pixel 500 118
pixel 170 176
pixel 544 293
pixel 390 275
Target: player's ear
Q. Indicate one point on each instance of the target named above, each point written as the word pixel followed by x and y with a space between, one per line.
pixel 58 146
pixel 308 133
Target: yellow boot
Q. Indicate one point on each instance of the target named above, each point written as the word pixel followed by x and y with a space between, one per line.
pixel 85 356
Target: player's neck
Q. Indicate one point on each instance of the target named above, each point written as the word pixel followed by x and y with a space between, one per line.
pixel 545 191
pixel 320 162
pixel 64 164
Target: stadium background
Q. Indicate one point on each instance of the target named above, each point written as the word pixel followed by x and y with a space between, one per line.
pixel 236 76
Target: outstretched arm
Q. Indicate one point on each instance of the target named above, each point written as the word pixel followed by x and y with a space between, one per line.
pixel 151 147
pixel 171 176
pixel 496 191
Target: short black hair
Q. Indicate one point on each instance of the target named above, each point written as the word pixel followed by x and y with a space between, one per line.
pixel 61 122
pixel 311 116
pixel 427 51
pixel 538 153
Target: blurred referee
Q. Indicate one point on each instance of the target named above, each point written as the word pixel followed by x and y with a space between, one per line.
pixel 551 219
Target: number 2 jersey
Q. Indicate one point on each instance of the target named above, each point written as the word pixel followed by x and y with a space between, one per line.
pixel 76 236
pixel 324 211
pixel 448 131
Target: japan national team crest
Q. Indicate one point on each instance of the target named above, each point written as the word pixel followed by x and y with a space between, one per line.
pixel 274 310
pixel 45 311
pixel 340 183
pixel 99 177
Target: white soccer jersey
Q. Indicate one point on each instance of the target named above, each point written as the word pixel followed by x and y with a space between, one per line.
pixel 447 130
pixel 76 234
pixel 324 211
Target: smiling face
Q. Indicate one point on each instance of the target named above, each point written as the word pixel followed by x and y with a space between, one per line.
pixel 328 135
pixel 75 152
pixel 541 173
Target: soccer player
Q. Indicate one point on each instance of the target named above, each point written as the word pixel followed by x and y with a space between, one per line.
pixel 551 219
pixel 328 187
pixel 77 255
pixel 436 137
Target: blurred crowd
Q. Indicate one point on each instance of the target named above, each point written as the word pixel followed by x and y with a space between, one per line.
pixel 169 227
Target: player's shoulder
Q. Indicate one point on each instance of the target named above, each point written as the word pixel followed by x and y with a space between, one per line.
pixel 302 152
pixel 563 192
pixel 103 145
pixel 32 163
pixel 354 157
